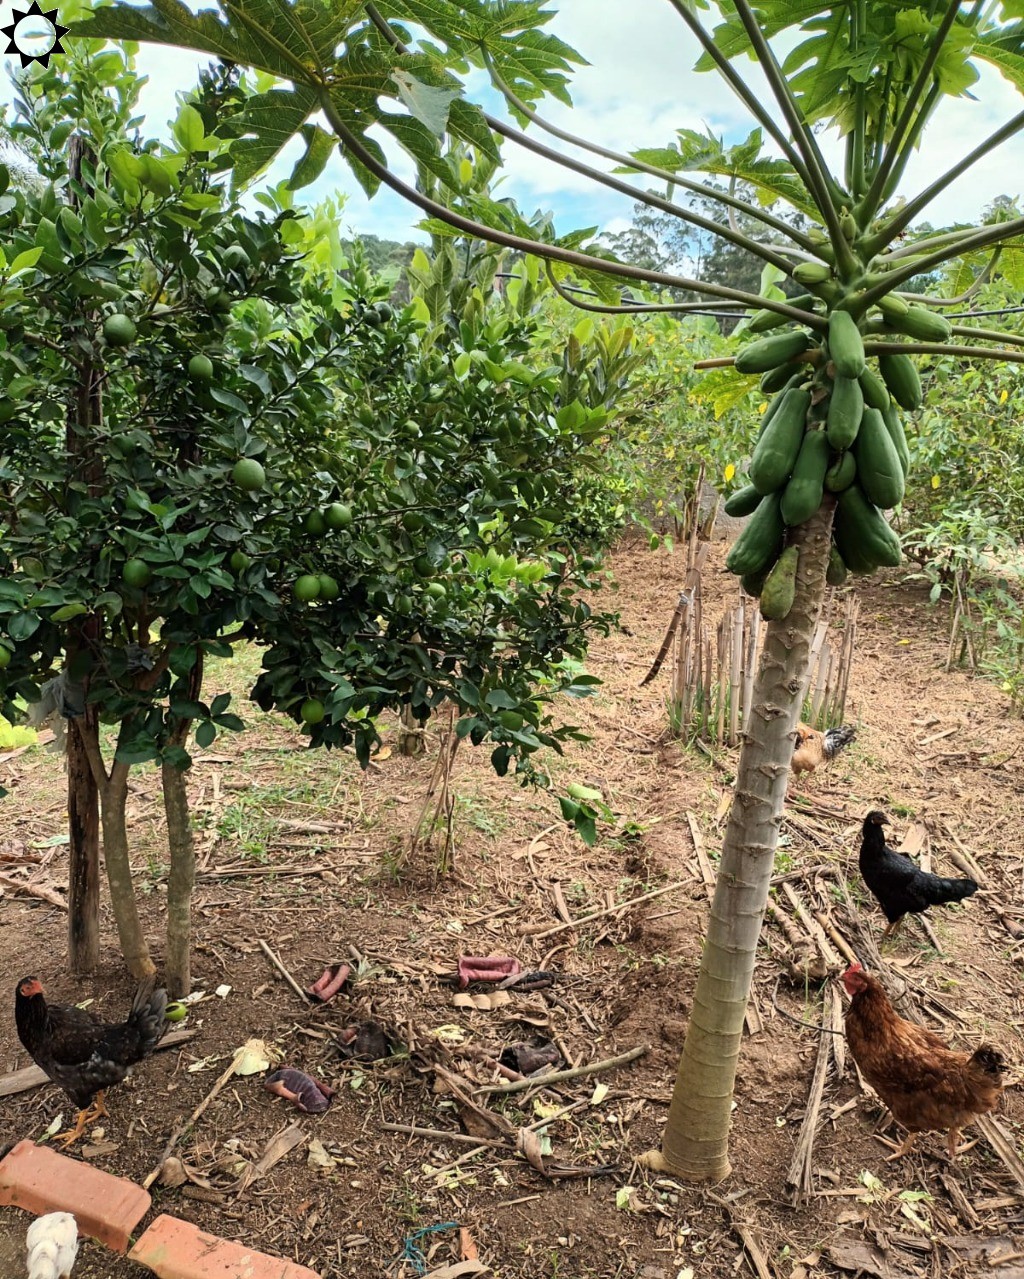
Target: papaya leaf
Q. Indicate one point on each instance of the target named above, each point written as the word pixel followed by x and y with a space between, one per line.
pixel 426 103
pixel 319 146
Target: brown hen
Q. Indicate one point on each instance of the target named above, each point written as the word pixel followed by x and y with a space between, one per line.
pixel 925 1084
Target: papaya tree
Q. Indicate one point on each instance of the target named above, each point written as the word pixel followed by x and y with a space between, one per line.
pixel 843 359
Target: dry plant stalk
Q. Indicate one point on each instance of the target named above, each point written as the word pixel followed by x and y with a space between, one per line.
pixel 443 813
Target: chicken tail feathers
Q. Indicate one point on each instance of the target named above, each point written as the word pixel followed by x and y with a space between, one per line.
pixel 837 738
pixel 937 891
pixel 147 1015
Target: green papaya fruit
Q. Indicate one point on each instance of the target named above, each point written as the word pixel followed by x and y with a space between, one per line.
pixel 841 474
pixel 835 574
pixel 779 588
pixel 874 390
pixel 902 379
pixel 760 540
pixel 845 410
pixel 891 418
pixel 879 472
pixel 862 534
pixel 921 323
pixel 782 378
pixel 845 344
pixel 765 321
pixel 743 502
pixel 802 495
pixel 776 451
pixel 811 273
pixel 767 353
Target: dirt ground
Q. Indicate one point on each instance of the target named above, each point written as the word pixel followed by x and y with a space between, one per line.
pixel 305 853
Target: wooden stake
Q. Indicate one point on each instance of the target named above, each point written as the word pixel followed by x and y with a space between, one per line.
pixel 284 972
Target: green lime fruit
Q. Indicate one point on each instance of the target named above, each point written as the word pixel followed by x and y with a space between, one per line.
pixel 329 588
pixel 236 258
pixel 137 573
pixel 338 515
pixel 307 588
pixel 436 591
pixel 312 711
pixel 413 521
pixel 403 605
pixel 200 368
pixel 218 300
pixel 119 330
pixel 248 474
pixel 315 524
pixel 510 719
pixel 5 657
pixel 176 1011
pixel 423 566
pixel 366 416
pixel 239 561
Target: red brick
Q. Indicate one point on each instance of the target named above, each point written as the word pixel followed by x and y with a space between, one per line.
pixel 175 1249
pixel 106 1208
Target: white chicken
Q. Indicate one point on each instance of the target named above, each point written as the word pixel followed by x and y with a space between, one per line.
pixel 52 1243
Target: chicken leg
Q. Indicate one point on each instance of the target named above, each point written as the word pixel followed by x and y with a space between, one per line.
pixel 93 1112
pixel 908 1143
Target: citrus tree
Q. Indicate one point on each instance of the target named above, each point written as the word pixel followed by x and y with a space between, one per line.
pixel 258 450
pixel 842 363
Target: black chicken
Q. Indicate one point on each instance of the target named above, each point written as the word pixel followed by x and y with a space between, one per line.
pixel 899 886
pixel 86 1056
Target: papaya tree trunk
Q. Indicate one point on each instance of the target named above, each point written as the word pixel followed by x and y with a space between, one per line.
pixel 178 968
pixel 695 1144
pixel 113 801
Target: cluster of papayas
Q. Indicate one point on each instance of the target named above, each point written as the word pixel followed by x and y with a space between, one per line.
pixel 833 425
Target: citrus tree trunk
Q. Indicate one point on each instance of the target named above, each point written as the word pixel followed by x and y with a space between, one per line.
pixel 182 878
pixel 85 415
pixel 83 855
pixel 695 1144
pixel 113 801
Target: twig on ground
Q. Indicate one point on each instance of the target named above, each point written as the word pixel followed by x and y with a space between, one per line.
pixel 439 1134
pixel 33 890
pixel 184 1126
pixel 283 971
pixel 799 1184
pixel 600 914
pixel 558 1076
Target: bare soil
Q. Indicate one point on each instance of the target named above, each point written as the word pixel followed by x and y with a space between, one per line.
pixel 307 853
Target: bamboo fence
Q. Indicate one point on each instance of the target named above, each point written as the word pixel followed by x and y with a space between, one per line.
pixel 714 665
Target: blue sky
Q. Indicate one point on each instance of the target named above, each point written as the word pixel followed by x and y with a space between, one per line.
pixel 638 88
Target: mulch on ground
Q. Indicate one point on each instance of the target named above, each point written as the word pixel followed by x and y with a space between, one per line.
pixel 309 855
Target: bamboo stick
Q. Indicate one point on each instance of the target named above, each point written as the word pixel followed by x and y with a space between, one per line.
pixel 736 672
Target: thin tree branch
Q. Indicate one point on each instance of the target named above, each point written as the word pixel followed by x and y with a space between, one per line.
pixel 871 200
pixel 987 335
pixel 536 248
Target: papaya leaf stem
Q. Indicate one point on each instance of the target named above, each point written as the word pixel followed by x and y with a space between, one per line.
pixel 874 196
pixel 537 248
